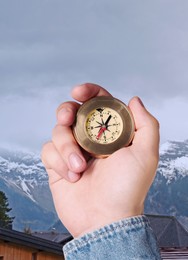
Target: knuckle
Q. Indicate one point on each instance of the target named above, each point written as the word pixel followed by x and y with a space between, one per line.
pixel 46 146
pixel 59 107
pixel 69 105
pixel 64 148
pixel 55 131
pixel 45 150
pixel 155 123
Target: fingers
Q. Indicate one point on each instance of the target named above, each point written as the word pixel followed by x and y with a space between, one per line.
pixel 86 91
pixel 68 148
pixel 66 112
pixel 147 128
pixel 62 156
pixel 55 165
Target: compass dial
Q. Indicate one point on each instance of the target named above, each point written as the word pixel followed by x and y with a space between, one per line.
pixel 103 125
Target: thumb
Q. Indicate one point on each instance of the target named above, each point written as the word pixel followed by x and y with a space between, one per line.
pixel 147 127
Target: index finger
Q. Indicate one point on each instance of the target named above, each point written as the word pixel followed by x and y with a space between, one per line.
pixel 66 111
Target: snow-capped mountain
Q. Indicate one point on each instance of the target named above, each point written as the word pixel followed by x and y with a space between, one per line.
pixel 25 171
pixel 169 192
pixel 25 183
pixel 174 160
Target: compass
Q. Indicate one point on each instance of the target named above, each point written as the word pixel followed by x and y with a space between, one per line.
pixel 103 125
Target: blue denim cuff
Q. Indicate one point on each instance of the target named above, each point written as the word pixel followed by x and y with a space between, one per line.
pixel 130 238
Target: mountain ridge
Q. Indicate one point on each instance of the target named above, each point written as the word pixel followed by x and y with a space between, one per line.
pixel 25 182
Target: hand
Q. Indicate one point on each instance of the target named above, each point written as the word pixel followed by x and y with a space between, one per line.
pixel 89 193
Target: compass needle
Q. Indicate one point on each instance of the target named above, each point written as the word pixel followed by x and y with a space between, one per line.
pixel 107 121
pixel 101 131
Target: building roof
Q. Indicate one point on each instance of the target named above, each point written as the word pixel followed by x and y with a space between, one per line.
pixel 170 233
pixel 61 238
pixel 30 241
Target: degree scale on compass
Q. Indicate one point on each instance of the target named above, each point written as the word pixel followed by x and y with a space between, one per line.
pixel 104 125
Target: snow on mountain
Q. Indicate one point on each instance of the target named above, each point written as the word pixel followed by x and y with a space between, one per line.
pixel 173 160
pixel 25 171
pixel 165 147
pixel 168 193
pixel 25 183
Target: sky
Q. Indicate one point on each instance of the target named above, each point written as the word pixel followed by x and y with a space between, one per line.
pixel 130 47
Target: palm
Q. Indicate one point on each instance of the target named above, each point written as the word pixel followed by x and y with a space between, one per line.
pixel 115 179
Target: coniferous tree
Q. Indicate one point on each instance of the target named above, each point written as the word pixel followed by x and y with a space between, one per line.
pixel 5 219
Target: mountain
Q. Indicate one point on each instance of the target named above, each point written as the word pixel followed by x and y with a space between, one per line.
pixel 25 183
pixel 169 192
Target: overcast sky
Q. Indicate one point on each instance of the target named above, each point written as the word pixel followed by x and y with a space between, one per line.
pixel 130 47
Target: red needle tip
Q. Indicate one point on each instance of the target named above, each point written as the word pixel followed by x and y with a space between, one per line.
pixel 101 131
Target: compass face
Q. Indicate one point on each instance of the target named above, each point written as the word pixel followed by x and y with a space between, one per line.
pixel 103 125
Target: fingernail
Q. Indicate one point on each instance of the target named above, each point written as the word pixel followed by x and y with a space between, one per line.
pixel 140 101
pixel 75 161
pixel 64 115
pixel 73 177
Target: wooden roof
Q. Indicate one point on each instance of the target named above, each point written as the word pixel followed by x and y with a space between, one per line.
pixel 30 241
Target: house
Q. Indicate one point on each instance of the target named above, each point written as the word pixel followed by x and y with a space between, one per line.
pixel 171 235
pixel 15 245
pixel 172 239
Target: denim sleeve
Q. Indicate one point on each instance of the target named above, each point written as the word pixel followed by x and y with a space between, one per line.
pixel 130 238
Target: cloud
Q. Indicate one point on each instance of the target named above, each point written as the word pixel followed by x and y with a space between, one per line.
pixel 118 44
pixel 129 47
pixel 171 115
pixel 28 121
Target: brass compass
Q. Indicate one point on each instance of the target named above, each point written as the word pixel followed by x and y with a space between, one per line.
pixel 103 125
